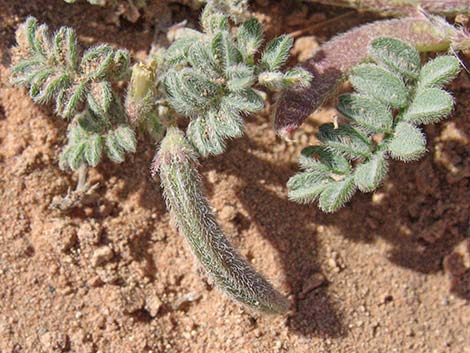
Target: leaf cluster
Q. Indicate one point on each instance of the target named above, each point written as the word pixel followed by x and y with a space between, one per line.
pixel 82 87
pixel 393 96
pixel 211 77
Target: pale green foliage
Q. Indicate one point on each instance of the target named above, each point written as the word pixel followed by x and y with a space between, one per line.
pixel 379 83
pixel 82 88
pixel 176 161
pixel 211 77
pixel 395 95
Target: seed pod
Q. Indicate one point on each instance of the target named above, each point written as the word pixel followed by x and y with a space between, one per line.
pixel 176 161
pixel 335 58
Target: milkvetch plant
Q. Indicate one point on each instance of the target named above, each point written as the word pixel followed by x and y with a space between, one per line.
pixel 394 95
pixel 193 97
pixel 211 77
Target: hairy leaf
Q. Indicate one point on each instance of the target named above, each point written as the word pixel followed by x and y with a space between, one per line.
pixel 297 77
pixel 346 140
pixel 366 112
pixel 246 101
pixel 224 50
pixel 93 150
pixel 430 105
pixel 369 175
pixel 250 37
pixel 89 122
pixel 200 57
pixel 96 61
pixel 439 71
pixel 307 186
pixel 114 150
pixel 125 137
pixel 408 142
pixel 202 133
pixel 276 53
pixel 178 51
pixel 379 83
pixel 240 77
pixel 396 55
pixel 336 194
pixel 323 160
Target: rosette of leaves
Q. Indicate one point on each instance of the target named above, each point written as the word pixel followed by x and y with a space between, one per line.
pixel 212 76
pixel 393 97
pixel 81 85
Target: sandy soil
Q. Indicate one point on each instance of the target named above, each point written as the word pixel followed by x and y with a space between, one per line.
pixel 389 273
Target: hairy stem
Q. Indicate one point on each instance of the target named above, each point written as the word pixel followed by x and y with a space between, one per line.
pixel 177 164
pixel 403 7
pixel 335 58
pixel 82 183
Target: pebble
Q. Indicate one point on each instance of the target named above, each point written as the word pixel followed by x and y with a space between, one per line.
pixel 131 300
pixel 153 305
pixel 101 256
pixel 183 301
pixel 313 282
pixel 228 213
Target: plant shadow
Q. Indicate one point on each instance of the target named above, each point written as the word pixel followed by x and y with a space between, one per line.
pixel 420 211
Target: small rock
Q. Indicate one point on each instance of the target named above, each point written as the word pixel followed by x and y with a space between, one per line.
pixel 90 232
pixel 387 298
pixel 63 235
pixel 228 213
pixel 153 305
pixel 101 256
pixel 182 302
pixel 131 300
pixel 95 281
pixel 313 282
pixel 55 342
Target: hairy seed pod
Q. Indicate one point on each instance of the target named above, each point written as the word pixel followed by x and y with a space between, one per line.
pixel 403 7
pixel 177 163
pixel 334 59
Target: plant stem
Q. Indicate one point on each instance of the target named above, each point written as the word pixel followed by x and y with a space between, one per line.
pixel 176 161
pixel 82 183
